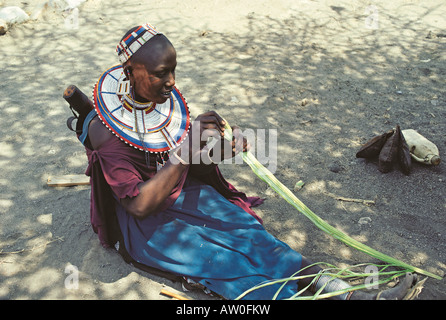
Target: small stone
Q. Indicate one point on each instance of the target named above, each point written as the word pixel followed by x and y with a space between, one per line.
pixel 13 15
pixel 335 167
pixel 299 185
pixel 270 193
pixel 364 220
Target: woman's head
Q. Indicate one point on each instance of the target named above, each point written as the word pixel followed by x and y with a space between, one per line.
pixel 151 69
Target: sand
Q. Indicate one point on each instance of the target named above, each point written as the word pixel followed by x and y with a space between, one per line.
pixel 325 75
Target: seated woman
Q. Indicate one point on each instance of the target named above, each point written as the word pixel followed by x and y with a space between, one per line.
pixel 157 188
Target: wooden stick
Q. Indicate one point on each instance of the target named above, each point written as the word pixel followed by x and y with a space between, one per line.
pixel 172 294
pixel 366 202
pixel 31 249
pixel 68 180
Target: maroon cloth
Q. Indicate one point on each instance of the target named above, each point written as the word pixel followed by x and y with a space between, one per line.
pixel 118 168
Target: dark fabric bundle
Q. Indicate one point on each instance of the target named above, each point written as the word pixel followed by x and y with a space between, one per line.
pixel 405 159
pixel 373 147
pixel 389 153
pixel 390 148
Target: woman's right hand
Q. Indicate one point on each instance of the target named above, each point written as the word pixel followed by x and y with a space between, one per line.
pixel 206 125
pixel 209 124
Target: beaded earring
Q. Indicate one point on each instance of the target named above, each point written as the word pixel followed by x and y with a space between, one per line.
pixel 123 87
pixel 124 84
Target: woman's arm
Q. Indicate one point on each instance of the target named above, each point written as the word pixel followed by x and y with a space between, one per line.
pixel 153 192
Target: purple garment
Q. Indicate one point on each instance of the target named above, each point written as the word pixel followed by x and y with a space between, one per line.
pixel 118 168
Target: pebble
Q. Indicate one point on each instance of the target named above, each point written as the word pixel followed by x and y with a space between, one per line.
pixel 299 185
pixel 270 193
pixel 335 167
pixel 364 220
pixel 13 14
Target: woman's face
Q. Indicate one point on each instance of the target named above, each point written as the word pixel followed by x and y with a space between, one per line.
pixel 153 75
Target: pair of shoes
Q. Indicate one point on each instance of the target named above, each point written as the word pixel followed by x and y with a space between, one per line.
pixel 391 149
pixel 407 289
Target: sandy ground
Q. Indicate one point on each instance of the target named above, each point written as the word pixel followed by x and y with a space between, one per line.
pixel 362 66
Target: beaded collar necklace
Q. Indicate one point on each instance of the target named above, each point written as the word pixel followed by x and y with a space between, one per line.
pixel 149 127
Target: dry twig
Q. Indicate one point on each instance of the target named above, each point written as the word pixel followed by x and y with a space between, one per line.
pixel 31 249
pixel 366 202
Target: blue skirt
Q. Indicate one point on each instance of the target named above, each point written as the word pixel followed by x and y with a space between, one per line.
pixel 208 239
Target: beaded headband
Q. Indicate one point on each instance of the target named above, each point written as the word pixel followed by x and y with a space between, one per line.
pixel 134 41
